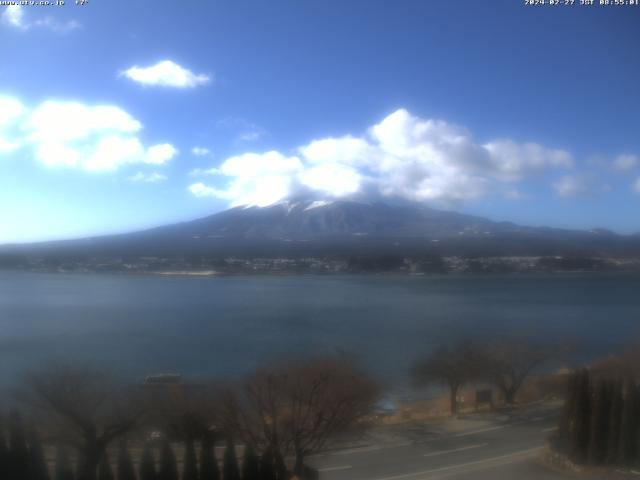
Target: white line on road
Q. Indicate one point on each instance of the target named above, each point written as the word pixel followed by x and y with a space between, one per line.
pixel 356 450
pixel 454 450
pixel 370 449
pixel 333 469
pixel 462 465
pixel 483 430
pixel 547 430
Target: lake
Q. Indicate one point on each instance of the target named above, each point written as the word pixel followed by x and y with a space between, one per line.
pixel 225 326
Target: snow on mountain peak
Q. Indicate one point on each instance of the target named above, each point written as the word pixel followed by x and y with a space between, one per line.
pixel 318 204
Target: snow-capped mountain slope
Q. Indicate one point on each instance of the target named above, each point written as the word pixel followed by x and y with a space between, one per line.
pixel 309 220
pixel 323 226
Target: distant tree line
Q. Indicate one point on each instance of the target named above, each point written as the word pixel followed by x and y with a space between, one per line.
pixel 100 430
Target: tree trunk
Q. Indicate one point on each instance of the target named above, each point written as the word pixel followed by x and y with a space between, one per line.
pixel 509 395
pixel 453 399
pixel 88 468
pixel 281 468
pixel 298 468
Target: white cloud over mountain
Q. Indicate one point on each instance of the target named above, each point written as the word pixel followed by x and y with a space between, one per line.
pixel 402 156
pixel 74 135
pixel 166 74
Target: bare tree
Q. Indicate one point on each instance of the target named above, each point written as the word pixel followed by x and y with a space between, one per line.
pixel 295 408
pixel 187 412
pixel 509 362
pixel 84 407
pixel 452 367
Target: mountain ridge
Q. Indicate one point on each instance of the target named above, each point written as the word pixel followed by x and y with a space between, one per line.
pixel 341 227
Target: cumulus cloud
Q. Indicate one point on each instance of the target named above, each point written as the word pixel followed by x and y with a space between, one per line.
pixel 402 156
pixel 74 135
pixel 200 151
pixel 14 16
pixel 346 150
pixel 332 178
pixel 142 177
pixel 166 74
pixel 160 154
pixel 259 179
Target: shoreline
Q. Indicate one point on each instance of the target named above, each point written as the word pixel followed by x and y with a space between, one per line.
pixel 291 273
pixel 183 273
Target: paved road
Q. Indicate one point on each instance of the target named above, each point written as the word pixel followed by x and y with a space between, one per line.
pixel 506 450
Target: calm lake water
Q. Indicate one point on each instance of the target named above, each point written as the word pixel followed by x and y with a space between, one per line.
pixel 226 326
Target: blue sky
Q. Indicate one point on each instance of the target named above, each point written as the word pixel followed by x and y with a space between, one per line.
pixel 120 115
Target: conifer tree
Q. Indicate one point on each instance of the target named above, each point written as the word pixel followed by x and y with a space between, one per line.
pixel 105 472
pixel 615 417
pixel 250 464
pixel 37 463
pixel 208 463
pixel 267 470
pixel 4 452
pixel 230 463
pixel 63 468
pixel 147 464
pixel 600 413
pixel 125 464
pixel 280 467
pixel 580 423
pixel 168 467
pixel 190 464
pixel 18 450
pixel 565 425
pixel 628 426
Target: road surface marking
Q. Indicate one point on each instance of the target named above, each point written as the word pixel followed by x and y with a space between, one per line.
pixel 454 450
pixel 491 429
pixel 462 465
pixel 547 430
pixel 333 469
pixel 356 450
pixel 482 430
pixel 370 449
